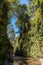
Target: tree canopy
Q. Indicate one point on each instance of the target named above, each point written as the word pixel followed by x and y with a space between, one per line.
pixel 30 24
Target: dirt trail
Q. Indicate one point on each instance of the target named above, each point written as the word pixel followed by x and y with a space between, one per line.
pixel 27 61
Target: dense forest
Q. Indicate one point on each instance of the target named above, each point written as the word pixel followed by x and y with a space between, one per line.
pixel 29 43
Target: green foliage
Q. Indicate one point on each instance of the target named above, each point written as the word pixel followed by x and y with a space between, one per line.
pixel 34 50
pixel 31 30
pixel 5 46
pixel 24 26
pixel 30 24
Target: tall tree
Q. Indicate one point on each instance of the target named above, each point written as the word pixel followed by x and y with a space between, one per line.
pixel 30 35
pixel 24 26
pixel 35 37
pixel 5 45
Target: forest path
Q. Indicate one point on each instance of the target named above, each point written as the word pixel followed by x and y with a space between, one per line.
pixel 24 61
pixel 27 61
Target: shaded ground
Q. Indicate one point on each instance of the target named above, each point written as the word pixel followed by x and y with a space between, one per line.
pixel 24 61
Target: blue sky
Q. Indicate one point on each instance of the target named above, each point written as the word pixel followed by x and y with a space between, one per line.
pixel 14 19
pixel 24 2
